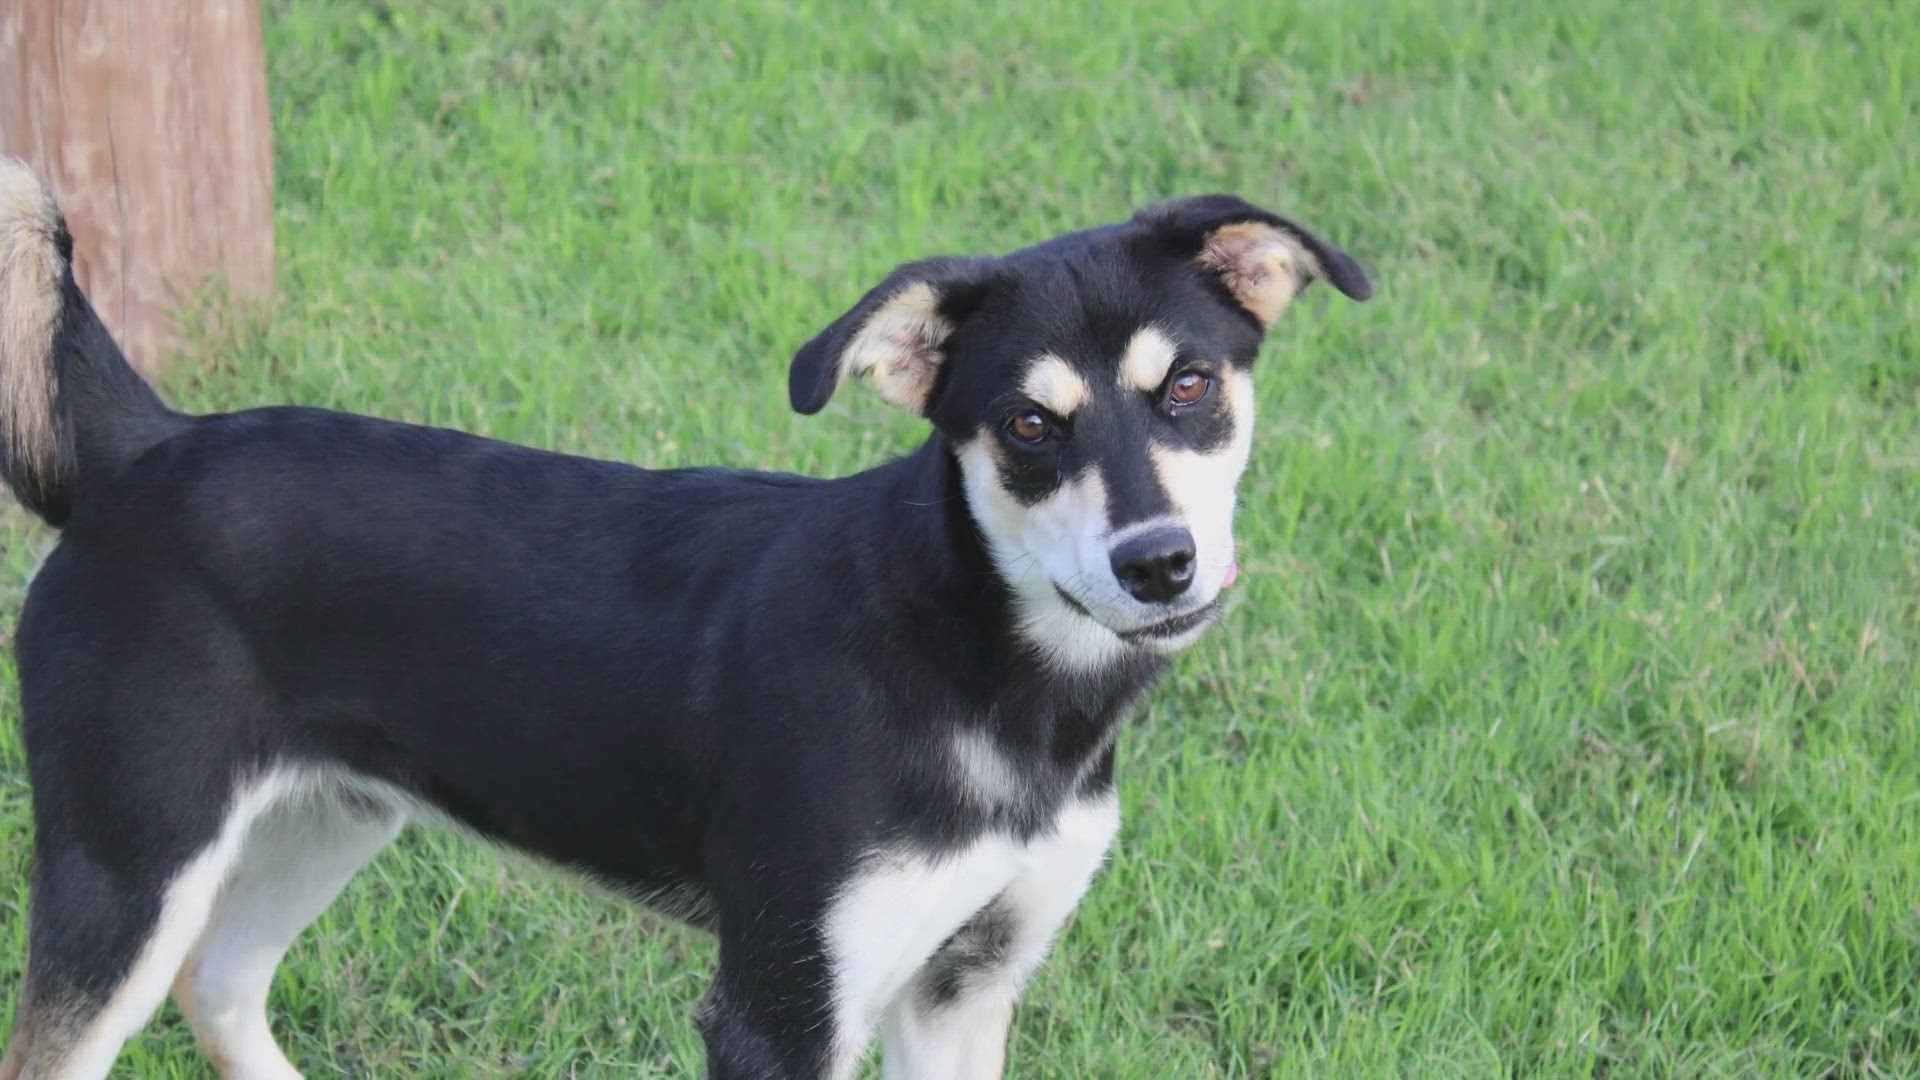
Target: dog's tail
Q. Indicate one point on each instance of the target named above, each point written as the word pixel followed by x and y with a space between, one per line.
pixel 72 410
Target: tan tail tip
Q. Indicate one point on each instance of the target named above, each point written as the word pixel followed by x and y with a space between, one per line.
pixel 24 201
pixel 33 259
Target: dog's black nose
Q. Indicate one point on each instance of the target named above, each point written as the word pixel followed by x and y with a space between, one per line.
pixel 1157 565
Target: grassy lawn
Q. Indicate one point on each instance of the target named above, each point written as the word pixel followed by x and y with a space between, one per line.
pixel 1568 721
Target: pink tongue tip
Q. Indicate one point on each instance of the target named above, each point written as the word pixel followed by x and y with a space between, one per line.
pixel 1233 574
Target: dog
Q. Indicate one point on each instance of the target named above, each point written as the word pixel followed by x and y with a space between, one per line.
pixel 860 728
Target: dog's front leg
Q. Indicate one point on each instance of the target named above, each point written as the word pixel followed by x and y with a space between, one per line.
pixel 802 986
pixel 769 1013
pixel 950 1022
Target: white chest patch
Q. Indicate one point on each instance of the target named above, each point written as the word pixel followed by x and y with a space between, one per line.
pixel 904 904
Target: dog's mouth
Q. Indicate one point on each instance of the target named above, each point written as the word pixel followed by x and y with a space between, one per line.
pixel 1173 627
pixel 1177 626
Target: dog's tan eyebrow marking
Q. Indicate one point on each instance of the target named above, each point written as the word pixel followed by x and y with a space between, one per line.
pixel 1148 357
pixel 1053 385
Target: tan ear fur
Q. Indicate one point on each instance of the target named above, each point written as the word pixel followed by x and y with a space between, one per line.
pixel 899 347
pixel 1263 267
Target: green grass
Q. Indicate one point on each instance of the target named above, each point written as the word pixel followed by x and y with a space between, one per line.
pixel 1567 723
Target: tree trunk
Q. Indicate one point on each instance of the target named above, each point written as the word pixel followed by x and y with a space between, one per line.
pixel 149 120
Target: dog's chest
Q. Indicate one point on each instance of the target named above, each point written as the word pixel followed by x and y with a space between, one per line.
pixel 905 901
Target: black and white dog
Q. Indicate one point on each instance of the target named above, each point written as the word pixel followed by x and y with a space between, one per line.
pixel 861 728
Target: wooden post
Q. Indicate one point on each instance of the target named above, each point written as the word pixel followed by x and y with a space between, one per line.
pixel 149 119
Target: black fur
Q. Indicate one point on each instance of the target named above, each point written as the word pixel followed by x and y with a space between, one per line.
pixel 712 686
pixel 1184 225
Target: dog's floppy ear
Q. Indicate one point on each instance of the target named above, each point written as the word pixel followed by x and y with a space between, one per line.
pixel 1262 259
pixel 897 334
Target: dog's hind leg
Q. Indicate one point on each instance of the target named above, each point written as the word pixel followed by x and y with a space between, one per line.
pixel 294 861
pixel 114 914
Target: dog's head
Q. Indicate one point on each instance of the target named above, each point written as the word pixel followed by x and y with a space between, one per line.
pixel 1098 391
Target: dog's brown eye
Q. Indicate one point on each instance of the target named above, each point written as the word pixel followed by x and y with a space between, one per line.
pixel 1188 387
pixel 1030 427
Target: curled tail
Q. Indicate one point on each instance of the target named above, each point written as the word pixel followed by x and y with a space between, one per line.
pixel 72 410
